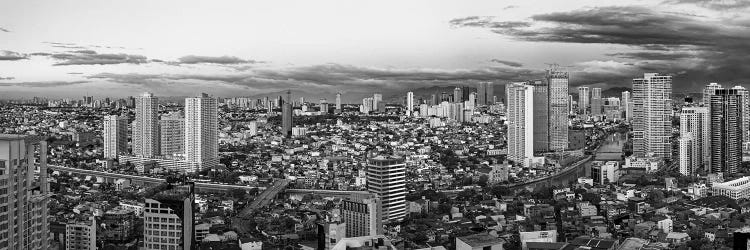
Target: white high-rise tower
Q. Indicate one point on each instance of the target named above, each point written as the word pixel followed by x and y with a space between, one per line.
pixel 115 136
pixel 201 132
pixel 520 98
pixel 410 103
pixel 146 126
pixel 696 122
pixel 652 115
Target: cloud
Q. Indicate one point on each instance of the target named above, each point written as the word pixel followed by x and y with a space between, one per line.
pixel 328 78
pixel 192 59
pixel 90 57
pixel 46 84
pixel 7 78
pixel 6 55
pixel 507 63
pixel 714 4
pixel 695 49
pixel 4 29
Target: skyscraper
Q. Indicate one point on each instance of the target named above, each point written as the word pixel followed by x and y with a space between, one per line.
pixel 541 115
pixel 202 132
pixel 286 117
pixel 172 134
pixel 708 91
pixel 115 136
pixel 627 105
pixel 169 219
pixel 23 207
pixel 596 101
pixel 652 115
pixel 696 122
pixel 458 95
pixel 520 98
pixel 583 99
pixel 410 103
pixel 338 102
pixel 559 108
pixel 482 93
pixel 386 177
pixel 434 100
pixel 146 126
pixel 490 94
pixel 745 110
pixel 323 106
pixel 726 130
pixel 377 99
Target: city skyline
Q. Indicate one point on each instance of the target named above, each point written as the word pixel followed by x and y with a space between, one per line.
pixel 445 43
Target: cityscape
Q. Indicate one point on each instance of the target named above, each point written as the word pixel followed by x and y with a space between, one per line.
pixel 318 125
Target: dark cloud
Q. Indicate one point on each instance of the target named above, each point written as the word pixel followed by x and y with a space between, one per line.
pixel 192 59
pixel 695 49
pixel 4 29
pixel 6 55
pixel 333 77
pixel 507 63
pixel 49 84
pixel 90 57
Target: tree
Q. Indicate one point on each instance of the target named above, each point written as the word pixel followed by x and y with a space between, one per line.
pixel 483 180
pixel 237 193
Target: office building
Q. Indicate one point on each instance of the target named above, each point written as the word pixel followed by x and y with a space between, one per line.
pixel 146 126
pixel 367 105
pixel 458 95
pixel 386 177
pixel 410 103
pixel 24 206
pixel 627 105
pixel 652 116
pixel 583 99
pixel 323 106
pixel 490 94
pixel 520 98
pixel 168 219
pixel 541 115
pixel 688 155
pixel 286 117
pixel 81 234
pixel 118 229
pixel 172 135
pixel 559 108
pixel 696 122
pixel 363 217
pixel 596 101
pixel 338 102
pixel 745 110
pixel 201 132
pixel 115 136
pixel 482 93
pixel 726 130
pixel 735 189
pixel 377 102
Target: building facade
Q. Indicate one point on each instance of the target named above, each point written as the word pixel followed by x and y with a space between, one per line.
pixel 652 115
pixel 363 217
pixel 169 219
pixel 115 136
pixel 146 126
pixel 726 130
pixel 386 177
pixel 201 132
pixel 172 135
pixel 696 122
pixel 559 108
pixel 520 98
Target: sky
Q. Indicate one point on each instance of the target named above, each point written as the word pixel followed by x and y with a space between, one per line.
pixel 72 48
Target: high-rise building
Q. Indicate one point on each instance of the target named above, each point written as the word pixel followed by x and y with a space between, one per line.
pixel 688 154
pixel 115 136
pixel 433 100
pixel 541 115
pixel 745 110
pixel 118 228
pixel 146 126
pixel 559 108
pixel 363 217
pixel 377 99
pixel 286 117
pixel 168 219
pixel 708 91
pixel 726 130
pixel 172 134
pixel 410 103
pixel 520 99
pixel 627 105
pixel 596 101
pixel 490 94
pixel 652 115
pixel 583 98
pixel 367 105
pixel 386 177
pixel 458 95
pixel 482 93
pixel 201 132
pixel 338 102
pixel 323 106
pixel 696 122
pixel 23 206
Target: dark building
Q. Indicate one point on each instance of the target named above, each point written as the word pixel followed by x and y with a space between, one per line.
pixel 116 230
pixel 726 130
pixel 541 116
pixel 286 117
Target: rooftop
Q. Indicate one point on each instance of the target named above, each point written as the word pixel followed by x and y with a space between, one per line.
pixel 481 240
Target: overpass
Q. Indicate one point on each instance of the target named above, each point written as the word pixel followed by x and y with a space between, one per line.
pixel 266 197
pixel 149 181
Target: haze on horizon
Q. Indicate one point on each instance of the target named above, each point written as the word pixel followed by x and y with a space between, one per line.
pixel 245 48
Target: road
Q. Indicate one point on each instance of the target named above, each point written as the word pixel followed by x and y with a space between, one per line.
pixel 265 198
